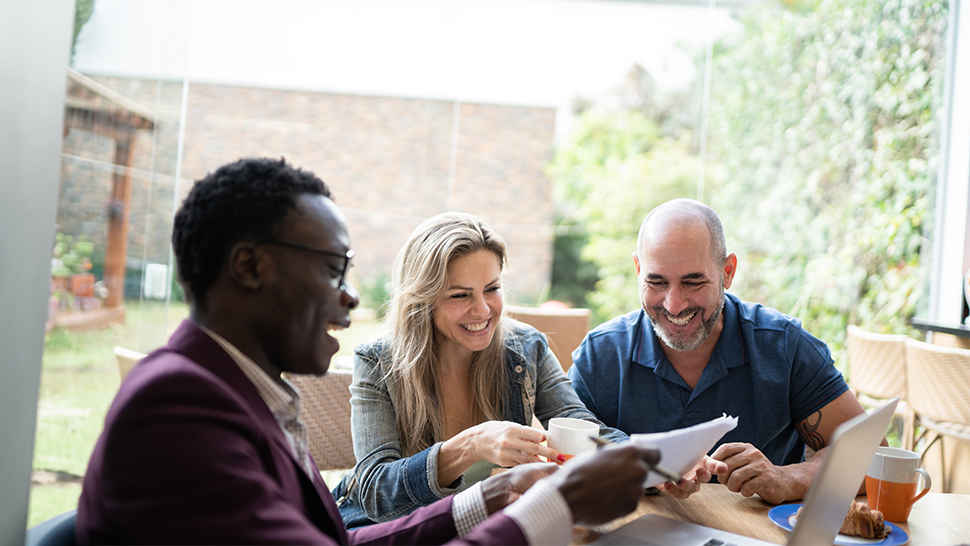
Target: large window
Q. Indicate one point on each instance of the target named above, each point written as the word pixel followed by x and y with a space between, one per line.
pixel 813 127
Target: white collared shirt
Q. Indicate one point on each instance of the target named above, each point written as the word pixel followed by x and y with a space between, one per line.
pixel 283 400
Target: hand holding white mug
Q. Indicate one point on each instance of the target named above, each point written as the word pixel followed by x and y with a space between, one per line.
pixel 571 436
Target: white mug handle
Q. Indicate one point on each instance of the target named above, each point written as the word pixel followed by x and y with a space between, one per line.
pixel 927 483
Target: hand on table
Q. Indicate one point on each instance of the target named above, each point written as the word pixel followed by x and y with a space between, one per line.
pixel 747 471
pixel 502 489
pixel 508 444
pixel 691 483
pixel 602 485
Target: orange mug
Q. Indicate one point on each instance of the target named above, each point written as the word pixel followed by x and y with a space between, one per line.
pixel 892 480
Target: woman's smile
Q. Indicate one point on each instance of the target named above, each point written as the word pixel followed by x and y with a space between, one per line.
pixel 468 312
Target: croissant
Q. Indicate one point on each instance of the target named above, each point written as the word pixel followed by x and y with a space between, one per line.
pixel 863 522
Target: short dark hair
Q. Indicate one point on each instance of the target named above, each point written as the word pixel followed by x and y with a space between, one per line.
pixel 698 210
pixel 243 200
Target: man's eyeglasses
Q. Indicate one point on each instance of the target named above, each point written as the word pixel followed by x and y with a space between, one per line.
pixel 345 257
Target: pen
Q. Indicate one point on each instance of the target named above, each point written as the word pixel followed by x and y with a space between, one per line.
pixel 663 471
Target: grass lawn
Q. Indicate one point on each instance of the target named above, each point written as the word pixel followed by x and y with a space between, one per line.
pixel 78 381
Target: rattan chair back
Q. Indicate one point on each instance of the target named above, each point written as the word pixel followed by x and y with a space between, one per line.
pixel 877 363
pixel 326 413
pixel 126 360
pixel 564 328
pixel 939 382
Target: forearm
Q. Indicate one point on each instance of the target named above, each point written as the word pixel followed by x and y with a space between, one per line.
pixel 456 455
pixel 799 477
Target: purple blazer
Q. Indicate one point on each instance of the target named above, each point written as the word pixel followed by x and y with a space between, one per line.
pixel 190 454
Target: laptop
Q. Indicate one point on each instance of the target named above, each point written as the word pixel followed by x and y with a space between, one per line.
pixel 844 468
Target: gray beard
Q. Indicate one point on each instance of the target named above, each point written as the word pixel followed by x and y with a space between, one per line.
pixel 696 339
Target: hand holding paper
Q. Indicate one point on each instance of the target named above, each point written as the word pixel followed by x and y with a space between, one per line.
pixel 683 448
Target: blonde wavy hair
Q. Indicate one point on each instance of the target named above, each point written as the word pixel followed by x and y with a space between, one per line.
pixel 419 280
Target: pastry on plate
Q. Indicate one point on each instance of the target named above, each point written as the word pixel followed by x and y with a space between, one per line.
pixel 863 522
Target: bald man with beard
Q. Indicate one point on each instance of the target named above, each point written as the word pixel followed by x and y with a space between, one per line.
pixel 694 352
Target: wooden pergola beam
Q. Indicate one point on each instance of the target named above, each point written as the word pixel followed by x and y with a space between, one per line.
pixel 98 109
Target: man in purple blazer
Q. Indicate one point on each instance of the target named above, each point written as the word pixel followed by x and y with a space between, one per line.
pixel 203 445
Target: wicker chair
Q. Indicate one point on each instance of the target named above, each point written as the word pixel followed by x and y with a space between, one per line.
pixel 326 413
pixel 565 328
pixel 126 359
pixel 877 372
pixel 939 380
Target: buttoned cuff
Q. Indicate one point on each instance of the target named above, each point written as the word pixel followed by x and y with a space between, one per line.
pixel 469 509
pixel 542 514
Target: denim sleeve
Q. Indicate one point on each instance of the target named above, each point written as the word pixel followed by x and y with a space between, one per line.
pixel 555 397
pixel 389 484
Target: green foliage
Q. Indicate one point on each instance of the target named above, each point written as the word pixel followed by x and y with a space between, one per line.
pixel 374 292
pixel 70 256
pixel 572 276
pixel 822 162
pixel 82 12
pixel 617 167
pixel 825 122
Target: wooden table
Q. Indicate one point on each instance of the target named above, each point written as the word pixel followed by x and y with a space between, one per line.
pixel 937 519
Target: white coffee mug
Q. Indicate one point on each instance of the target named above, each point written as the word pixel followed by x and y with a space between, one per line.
pixel 891 482
pixel 571 436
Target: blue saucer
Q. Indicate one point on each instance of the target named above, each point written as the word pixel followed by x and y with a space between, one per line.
pixel 784 516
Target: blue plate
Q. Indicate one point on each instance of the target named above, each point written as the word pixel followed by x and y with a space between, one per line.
pixel 784 516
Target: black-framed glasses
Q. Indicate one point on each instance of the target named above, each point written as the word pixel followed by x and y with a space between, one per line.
pixel 349 255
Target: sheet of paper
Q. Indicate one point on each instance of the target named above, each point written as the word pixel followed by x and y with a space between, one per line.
pixel 681 449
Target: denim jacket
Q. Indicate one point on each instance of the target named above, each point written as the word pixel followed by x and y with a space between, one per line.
pixel 384 484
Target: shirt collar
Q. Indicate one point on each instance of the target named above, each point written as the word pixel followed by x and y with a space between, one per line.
pixel 729 349
pixel 283 399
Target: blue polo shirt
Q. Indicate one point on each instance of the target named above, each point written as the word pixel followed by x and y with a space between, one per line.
pixel 766 370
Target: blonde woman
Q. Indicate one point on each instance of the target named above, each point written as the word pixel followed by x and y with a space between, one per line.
pixel 449 391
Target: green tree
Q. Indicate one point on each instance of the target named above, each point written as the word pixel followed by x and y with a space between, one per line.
pixel 823 154
pixel 824 119
pixel 82 12
pixel 613 170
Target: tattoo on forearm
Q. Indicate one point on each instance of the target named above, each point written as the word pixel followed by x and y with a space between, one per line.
pixel 808 430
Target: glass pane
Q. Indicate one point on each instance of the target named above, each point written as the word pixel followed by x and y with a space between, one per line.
pixel 110 269
pixel 825 128
pixel 812 127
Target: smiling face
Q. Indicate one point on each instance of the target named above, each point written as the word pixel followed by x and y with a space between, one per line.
pixel 681 284
pixel 467 313
pixel 306 301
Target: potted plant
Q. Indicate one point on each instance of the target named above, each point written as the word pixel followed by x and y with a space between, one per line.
pixel 71 264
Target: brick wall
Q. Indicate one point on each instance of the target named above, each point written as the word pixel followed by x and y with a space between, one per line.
pixel 390 162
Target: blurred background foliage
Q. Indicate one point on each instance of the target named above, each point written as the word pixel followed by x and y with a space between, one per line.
pixel 617 167
pixel 82 13
pixel 822 160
